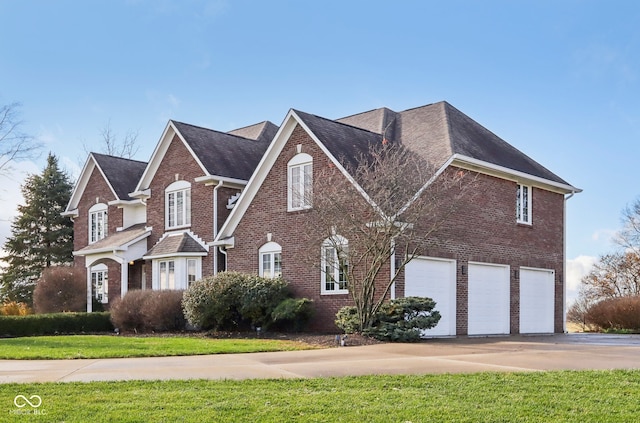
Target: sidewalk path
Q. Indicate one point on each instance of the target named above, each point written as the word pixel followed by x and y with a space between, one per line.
pixel 464 355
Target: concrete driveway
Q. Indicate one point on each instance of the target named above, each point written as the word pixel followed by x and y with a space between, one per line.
pixel 462 355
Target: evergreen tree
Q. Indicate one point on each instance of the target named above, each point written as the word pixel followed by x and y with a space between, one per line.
pixel 40 236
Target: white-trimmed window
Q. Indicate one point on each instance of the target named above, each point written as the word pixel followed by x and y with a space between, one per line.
pixel 98 222
pixel 335 266
pixel 270 256
pixel 300 182
pixel 167 274
pixel 192 271
pixel 178 205
pixel 176 272
pixel 100 283
pixel 523 204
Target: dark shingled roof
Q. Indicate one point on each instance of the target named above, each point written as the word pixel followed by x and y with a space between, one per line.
pixel 122 174
pixel 176 243
pixel 345 142
pixel 224 154
pixel 438 131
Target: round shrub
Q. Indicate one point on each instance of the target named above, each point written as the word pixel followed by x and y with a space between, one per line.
pixel 233 301
pixel 404 319
pixel 347 319
pixel 60 289
pixel 146 310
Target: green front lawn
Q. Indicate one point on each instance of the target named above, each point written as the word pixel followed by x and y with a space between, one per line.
pixel 593 396
pixel 110 346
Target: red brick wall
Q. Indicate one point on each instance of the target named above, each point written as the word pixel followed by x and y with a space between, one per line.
pixel 97 188
pixel 268 214
pixel 482 228
pixel 179 161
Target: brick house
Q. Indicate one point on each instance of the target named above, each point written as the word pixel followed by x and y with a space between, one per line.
pixel 495 268
pixel 149 225
pixel 209 201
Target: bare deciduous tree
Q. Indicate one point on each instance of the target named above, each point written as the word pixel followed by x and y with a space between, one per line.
pixel 629 236
pixel 14 144
pixel 390 205
pixel 613 276
pixel 112 145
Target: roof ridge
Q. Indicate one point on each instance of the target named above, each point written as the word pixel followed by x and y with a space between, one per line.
pixel 338 122
pixel 213 130
pixel 93 153
pixel 368 111
pixel 448 123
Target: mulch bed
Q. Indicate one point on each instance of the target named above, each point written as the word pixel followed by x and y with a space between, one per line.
pixel 320 340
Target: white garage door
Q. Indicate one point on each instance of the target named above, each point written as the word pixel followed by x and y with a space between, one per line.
pixel 488 299
pixel 436 279
pixel 536 300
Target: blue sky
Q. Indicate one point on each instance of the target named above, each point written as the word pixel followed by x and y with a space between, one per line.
pixel 557 79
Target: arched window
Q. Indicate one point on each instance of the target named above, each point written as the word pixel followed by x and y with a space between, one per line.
pixel 270 256
pixel 98 223
pixel 335 265
pixel 300 182
pixel 100 283
pixel 178 205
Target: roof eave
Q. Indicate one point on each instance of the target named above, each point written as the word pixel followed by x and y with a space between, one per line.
pixel 504 172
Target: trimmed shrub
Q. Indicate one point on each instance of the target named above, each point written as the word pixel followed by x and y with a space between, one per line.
pixel 14 308
pixel 615 314
pixel 292 314
pixel 147 310
pixel 54 324
pixel 233 301
pixel 60 289
pixel 400 320
pixel 163 311
pixel 347 319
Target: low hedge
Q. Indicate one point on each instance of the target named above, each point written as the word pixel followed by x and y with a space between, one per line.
pixel 54 324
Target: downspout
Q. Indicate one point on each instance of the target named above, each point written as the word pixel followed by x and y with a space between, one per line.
pixel 215 224
pixel 564 263
pixel 225 256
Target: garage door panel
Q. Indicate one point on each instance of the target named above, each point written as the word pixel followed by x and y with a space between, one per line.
pixel 436 279
pixel 537 300
pixel 489 305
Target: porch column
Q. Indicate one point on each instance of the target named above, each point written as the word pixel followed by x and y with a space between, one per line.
pixel 124 277
pixel 89 293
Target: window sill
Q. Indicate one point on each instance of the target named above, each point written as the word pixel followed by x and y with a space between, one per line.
pixel 340 292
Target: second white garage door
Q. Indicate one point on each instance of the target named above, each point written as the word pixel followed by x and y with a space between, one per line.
pixel 489 308
pixel 436 279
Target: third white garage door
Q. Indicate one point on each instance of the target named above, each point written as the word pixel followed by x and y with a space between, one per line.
pixel 436 279
pixel 536 300
pixel 489 308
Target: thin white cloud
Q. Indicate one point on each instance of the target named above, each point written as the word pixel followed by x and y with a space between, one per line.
pixel 577 268
pixel 604 235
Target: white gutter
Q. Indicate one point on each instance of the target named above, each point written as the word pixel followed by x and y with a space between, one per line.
pixel 215 224
pixel 564 263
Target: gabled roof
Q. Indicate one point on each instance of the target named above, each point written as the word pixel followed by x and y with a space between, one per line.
pixel 176 244
pixel 118 241
pixel 437 132
pixel 224 154
pixel 121 176
pixel 220 155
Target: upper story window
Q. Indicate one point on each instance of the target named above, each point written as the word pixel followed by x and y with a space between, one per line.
pixel 270 256
pixel 300 182
pixel 98 222
pixel 523 204
pixel 335 266
pixel 178 205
